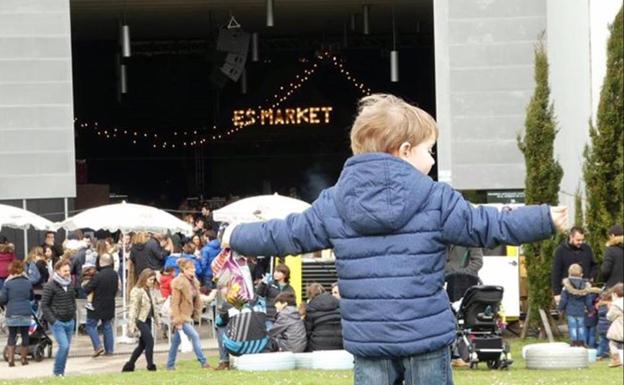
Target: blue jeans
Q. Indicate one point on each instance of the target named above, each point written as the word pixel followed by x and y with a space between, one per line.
pixel 432 368
pixel 590 336
pixel 603 346
pixel 191 333
pixel 63 332
pixel 107 332
pixel 224 355
pixel 576 328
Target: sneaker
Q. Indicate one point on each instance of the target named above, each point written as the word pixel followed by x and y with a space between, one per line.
pixel 151 368
pixel 459 363
pixel 89 306
pixel 223 366
pixel 206 366
pixel 98 352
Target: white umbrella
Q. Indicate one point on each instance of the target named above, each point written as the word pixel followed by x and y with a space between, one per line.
pixel 126 217
pixel 258 208
pixel 18 218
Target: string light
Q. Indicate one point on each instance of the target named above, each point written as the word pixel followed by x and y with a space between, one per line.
pixel 198 136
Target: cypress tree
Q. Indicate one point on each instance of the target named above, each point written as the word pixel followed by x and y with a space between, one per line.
pixel 543 177
pixel 604 165
pixel 579 219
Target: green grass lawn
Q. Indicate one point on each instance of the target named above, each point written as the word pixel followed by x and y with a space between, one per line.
pixel 188 373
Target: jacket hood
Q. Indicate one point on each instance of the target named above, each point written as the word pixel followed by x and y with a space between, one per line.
pixel 579 286
pixel 324 302
pixel 379 193
pixel 290 312
pixel 139 246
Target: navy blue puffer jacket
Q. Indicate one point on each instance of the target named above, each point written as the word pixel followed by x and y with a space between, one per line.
pixel 389 226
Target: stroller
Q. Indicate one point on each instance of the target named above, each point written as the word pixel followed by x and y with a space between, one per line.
pixel 479 337
pixel 40 344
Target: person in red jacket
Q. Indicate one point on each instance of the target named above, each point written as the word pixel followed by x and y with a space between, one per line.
pixel 165 282
pixel 7 255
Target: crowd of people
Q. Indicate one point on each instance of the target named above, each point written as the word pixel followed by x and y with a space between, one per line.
pixel 390 226
pixel 170 284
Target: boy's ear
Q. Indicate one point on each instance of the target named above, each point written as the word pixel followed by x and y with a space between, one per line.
pixel 404 149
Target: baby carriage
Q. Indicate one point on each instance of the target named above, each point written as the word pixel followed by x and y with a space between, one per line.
pixel 40 344
pixel 479 337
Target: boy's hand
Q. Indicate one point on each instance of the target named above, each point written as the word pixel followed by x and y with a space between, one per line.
pixel 557 299
pixel 559 216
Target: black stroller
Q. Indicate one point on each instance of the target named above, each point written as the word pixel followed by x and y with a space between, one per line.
pixel 479 336
pixel 40 344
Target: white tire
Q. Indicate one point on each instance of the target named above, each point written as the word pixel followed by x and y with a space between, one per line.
pixel 303 360
pixel 265 361
pixel 332 360
pixel 547 345
pixel 556 357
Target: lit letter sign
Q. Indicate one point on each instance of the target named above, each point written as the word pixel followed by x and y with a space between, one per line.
pixel 282 117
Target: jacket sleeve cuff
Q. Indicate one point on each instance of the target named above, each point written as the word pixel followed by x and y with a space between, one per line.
pixel 227 235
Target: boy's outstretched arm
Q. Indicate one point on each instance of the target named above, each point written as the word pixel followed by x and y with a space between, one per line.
pixel 464 224
pixel 297 234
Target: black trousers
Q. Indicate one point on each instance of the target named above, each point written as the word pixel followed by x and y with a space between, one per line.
pixel 23 330
pixel 146 343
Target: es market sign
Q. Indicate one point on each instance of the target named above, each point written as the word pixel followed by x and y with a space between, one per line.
pixel 282 116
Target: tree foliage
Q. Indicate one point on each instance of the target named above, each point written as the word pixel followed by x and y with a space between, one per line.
pixel 543 177
pixel 604 165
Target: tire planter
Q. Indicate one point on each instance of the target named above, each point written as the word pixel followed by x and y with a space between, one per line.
pixel 332 360
pixel 303 360
pixel 265 361
pixel 531 346
pixel 556 357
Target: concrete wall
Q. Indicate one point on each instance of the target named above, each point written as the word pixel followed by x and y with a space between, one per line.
pixel 36 103
pixel 484 80
pixel 577 34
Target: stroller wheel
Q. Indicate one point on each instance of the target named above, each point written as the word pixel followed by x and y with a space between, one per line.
pixel 49 350
pixel 38 353
pixel 493 364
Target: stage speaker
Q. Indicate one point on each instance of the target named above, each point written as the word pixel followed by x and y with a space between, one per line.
pixel 235 43
pixel 233 40
pixel 234 66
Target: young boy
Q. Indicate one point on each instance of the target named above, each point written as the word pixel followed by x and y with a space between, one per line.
pixel 389 225
pixel 576 301
pixel 288 333
pixel 616 329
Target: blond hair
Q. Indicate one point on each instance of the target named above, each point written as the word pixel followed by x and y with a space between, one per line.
pixel 140 238
pixel 35 252
pixel 575 270
pixel 384 122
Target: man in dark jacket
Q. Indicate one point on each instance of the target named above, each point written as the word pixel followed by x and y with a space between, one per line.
pixel 58 305
pixel 613 264
pixel 57 250
pixel 104 286
pixel 150 254
pixel 573 250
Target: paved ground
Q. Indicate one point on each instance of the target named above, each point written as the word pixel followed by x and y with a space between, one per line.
pixel 80 361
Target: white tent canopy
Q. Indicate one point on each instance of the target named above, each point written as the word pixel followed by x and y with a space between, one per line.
pixel 17 218
pixel 258 208
pixel 126 217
